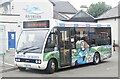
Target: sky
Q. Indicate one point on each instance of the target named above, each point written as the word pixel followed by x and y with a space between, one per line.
pixel 78 3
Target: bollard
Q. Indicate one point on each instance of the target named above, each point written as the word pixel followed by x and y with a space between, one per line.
pixel 3 59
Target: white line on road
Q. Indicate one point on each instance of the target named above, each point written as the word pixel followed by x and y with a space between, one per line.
pixel 8 64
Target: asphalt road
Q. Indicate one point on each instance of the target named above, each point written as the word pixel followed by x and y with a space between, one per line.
pixel 108 68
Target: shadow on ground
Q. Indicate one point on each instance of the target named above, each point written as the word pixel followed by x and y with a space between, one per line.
pixel 63 69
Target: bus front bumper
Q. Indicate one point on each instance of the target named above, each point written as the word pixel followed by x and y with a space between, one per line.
pixel 41 66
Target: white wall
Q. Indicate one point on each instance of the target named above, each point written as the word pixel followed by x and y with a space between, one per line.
pixel 19 6
pixel 114 23
pixel 11 27
pixel 12 24
pixel 119 34
pixel 19 9
pixel 6 18
pixel 2 39
pixel 27 8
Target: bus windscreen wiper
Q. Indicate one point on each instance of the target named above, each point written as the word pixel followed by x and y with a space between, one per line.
pixel 24 49
pixel 31 50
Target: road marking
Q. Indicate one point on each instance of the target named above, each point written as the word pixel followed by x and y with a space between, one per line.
pixel 8 64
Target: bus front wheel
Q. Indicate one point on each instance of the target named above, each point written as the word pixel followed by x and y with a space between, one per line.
pixel 96 58
pixel 51 68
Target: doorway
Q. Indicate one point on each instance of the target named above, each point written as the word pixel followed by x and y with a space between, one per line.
pixel 64 43
pixel 11 40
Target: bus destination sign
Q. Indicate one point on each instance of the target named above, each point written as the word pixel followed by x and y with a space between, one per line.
pixel 36 24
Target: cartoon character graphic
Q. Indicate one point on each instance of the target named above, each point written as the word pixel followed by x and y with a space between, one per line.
pixel 83 50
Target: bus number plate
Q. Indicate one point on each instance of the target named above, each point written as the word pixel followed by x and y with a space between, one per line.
pixel 27 65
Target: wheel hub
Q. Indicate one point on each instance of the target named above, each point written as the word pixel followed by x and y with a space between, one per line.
pixel 96 58
pixel 53 65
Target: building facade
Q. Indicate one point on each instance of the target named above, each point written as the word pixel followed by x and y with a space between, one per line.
pixel 14 12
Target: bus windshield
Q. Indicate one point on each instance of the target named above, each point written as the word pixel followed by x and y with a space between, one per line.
pixel 31 41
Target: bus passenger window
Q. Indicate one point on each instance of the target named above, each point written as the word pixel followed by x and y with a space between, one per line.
pixel 93 42
pixel 51 43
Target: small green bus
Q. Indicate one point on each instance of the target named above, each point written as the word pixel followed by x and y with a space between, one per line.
pixel 53 44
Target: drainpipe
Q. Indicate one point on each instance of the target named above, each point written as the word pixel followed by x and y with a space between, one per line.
pixel 115 45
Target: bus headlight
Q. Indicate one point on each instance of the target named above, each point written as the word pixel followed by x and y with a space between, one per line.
pixel 17 59
pixel 38 61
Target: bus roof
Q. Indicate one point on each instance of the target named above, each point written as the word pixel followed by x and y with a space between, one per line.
pixel 51 23
pixel 81 24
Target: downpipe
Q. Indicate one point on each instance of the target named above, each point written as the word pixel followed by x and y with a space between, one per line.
pixel 115 45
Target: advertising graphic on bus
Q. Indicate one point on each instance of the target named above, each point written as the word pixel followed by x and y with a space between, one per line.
pixel 53 44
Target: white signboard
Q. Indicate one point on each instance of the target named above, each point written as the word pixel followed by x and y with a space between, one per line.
pixel 2 40
pixel 33 9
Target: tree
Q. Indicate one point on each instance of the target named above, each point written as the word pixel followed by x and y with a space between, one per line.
pixel 98 9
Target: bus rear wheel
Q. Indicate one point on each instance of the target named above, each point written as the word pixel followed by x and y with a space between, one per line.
pixel 96 58
pixel 52 66
pixel 76 64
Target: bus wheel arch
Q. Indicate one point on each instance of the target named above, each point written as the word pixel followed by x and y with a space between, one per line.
pixel 76 63
pixel 52 66
pixel 96 58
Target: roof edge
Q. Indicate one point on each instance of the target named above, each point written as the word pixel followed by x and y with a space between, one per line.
pixel 108 11
pixel 107 18
pixel 73 6
pixel 59 14
pixel 84 12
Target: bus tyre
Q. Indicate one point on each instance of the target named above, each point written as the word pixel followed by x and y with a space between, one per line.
pixel 21 68
pixel 51 68
pixel 96 58
pixel 76 64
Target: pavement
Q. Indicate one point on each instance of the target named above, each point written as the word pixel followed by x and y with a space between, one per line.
pixel 7 61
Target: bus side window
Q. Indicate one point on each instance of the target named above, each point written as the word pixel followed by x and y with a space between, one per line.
pixel 51 43
pixel 103 40
pixel 93 42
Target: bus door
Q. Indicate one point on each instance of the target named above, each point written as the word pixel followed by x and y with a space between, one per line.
pixel 64 43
